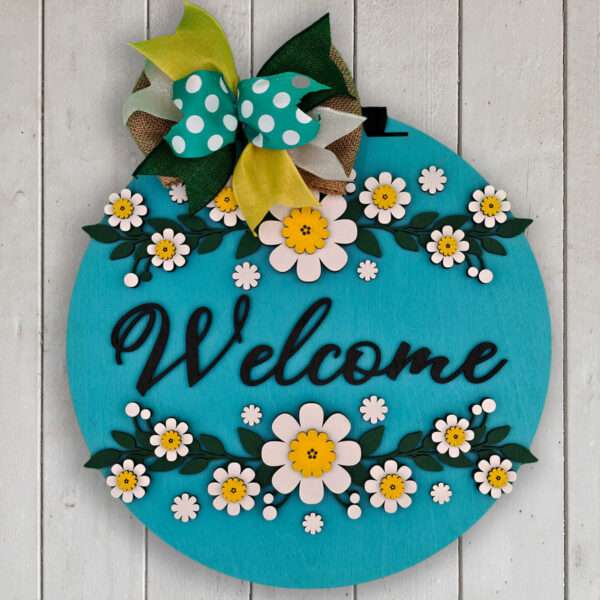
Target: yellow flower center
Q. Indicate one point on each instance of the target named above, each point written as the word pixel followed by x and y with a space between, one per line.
pixel 312 453
pixel 126 481
pixel 384 196
pixel 490 206
pixel 455 436
pixel 170 440
pixel 233 489
pixel 447 245
pixel 305 230
pixel 122 208
pixel 165 249
pixel 497 477
pixel 392 486
pixel 226 201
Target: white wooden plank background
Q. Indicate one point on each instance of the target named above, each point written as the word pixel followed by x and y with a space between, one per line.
pixel 513 85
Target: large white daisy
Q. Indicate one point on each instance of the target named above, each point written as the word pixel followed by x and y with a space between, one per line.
pixel 489 206
pixel 447 246
pixel 311 453
pixel 125 210
pixel 495 476
pixel 452 436
pixel 390 486
pixel 168 249
pixel 171 439
pixel 384 197
pixel 233 488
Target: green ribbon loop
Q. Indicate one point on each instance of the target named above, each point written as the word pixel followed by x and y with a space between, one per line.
pixel 267 108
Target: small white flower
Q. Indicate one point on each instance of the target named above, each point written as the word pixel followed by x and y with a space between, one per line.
pixel 128 481
pixel 495 476
pixel 233 489
pixel 269 513
pixel 441 493
pixel 251 415
pixel 313 523
pixel 178 193
pixel 367 270
pixel 447 246
pixel 489 206
pixel 351 185
pixel 384 198
pixel 225 207
pixel 185 507
pixel 132 409
pixel 373 409
pixel 125 210
pixel 246 276
pixel 171 439
pixel 168 249
pixel 391 486
pixel 452 436
pixel 432 180
pixel 354 512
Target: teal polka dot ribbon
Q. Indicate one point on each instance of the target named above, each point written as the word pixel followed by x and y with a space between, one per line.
pixel 266 107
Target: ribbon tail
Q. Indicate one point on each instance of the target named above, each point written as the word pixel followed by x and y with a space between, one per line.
pixel 263 178
pixel 319 161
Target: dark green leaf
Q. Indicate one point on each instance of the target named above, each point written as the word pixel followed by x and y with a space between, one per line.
pixel 354 211
pixel 496 435
pixel 192 242
pixel 142 439
pixel 161 465
pixel 358 473
pixel 518 453
pixel 479 432
pixel 122 250
pixel 264 473
pixel 428 443
pixel 160 224
pixel 513 227
pixel 423 219
pixel 125 440
pixel 406 241
pixel 474 247
pixel 209 243
pixel 212 444
pixel 194 466
pixel 102 233
pixel 410 441
pixel 461 461
pixel 455 221
pixel 251 441
pixel 370 440
pixel 427 463
pixel 103 458
pixel 248 245
pixel 203 177
pixel 493 246
pixel 141 251
pixel 367 242
pixel 192 222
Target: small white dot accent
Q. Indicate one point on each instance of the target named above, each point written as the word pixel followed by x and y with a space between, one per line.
pixel 485 276
pixel 269 513
pixel 178 102
pixel 215 142
pixel 302 117
pixel 258 141
pixel 354 512
pixel 212 103
pixel 223 85
pixel 281 99
pixel 132 409
pixel 260 86
pixel 195 124
pixel 291 137
pixel 178 144
pixel 230 122
pixel 472 271
pixel 193 84
pixel 266 123
pixel 247 108
pixel 488 405
pixel 131 280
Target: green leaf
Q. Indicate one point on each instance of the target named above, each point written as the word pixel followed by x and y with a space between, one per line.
pixel 370 440
pixel 125 440
pixel 122 250
pixel 367 242
pixel 264 473
pixel 406 241
pixel 102 233
pixel 192 222
pixel 493 246
pixel 161 465
pixel 423 220
pixel 460 462
pixel 518 453
pixel 160 224
pixel 474 247
pixel 204 177
pixel 358 473
pixel 455 221
pixel 103 458
pixel 354 211
pixel 496 435
pixel 427 463
pixel 479 432
pixel 209 243
pixel 141 251
pixel 194 466
pixel 410 441
pixel 251 441
pixel 211 444
pixel 428 443
pixel 248 245
pixel 142 439
pixel 513 227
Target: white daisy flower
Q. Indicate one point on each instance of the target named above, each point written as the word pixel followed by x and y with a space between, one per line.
pixel 311 453
pixel 351 185
pixel 128 481
pixel 171 439
pixel 373 409
pixel 178 193
pixel 391 486
pixel 495 476
pixel 313 523
pixel 308 237
pixel 432 180
pixel 490 206
pixel 246 276
pixel 441 493
pixel 225 207
pixel 233 488
pixel 384 198
pixel 452 436
pixel 185 507
pixel 168 249
pixel 447 246
pixel 125 210
pixel 367 270
pixel 251 415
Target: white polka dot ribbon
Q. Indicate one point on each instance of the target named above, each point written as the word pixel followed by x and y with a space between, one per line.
pixel 266 107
